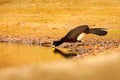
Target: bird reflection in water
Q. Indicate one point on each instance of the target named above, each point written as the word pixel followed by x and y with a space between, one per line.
pixel 65 54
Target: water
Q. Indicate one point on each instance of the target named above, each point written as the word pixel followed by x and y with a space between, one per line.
pixel 18 54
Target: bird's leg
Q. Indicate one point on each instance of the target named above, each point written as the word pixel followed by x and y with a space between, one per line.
pixel 76 44
pixel 79 41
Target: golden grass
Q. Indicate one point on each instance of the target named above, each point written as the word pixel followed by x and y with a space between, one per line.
pixel 49 18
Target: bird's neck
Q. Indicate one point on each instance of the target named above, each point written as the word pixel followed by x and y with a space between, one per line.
pixel 59 42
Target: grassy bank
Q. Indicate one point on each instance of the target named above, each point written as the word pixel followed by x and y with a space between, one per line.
pixel 49 18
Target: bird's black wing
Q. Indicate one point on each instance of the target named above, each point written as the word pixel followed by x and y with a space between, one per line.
pixel 72 35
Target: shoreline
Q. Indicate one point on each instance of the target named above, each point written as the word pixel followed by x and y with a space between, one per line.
pixel 84 47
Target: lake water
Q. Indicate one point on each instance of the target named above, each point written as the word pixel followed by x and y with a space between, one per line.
pixel 18 54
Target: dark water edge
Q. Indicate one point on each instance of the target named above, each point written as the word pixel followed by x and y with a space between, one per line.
pixel 87 46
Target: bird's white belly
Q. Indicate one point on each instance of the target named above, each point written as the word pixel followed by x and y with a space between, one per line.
pixel 80 36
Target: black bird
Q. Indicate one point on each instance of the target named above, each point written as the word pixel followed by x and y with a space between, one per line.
pixel 76 34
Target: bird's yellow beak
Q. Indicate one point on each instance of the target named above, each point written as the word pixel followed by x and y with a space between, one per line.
pixel 53 47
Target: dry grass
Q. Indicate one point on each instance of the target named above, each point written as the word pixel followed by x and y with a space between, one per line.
pixel 36 18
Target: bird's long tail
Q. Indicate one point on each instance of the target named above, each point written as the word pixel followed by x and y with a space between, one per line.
pixel 98 31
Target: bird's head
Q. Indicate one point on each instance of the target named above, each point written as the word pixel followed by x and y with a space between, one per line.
pixel 55 43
